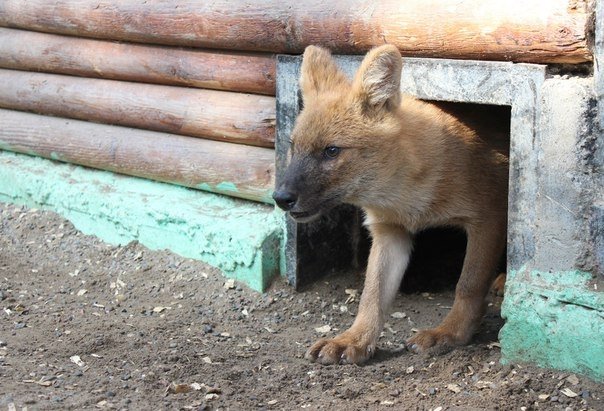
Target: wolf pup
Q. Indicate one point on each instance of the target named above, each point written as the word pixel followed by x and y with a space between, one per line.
pixel 409 165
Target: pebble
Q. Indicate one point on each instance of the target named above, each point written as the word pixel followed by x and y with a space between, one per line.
pixel 572 379
pixel 431 390
pixel 207 329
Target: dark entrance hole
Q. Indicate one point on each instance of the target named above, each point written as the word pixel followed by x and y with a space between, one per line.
pixel 436 261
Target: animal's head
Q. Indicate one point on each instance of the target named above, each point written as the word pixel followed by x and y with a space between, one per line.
pixel 341 138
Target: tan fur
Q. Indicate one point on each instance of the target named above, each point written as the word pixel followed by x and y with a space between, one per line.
pixel 409 165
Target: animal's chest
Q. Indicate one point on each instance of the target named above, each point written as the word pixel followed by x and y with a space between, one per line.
pixel 412 222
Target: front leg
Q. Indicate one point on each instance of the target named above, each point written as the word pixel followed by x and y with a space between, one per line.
pixel 388 259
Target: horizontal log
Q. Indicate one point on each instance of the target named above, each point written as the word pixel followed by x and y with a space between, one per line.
pixel 243 72
pixel 218 115
pixel 518 30
pixel 225 168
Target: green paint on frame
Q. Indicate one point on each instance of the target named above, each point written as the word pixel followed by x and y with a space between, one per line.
pixel 555 320
pixel 55 156
pixel 227 187
pixel 204 186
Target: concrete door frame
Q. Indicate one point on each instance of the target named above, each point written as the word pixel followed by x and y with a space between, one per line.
pixel 494 83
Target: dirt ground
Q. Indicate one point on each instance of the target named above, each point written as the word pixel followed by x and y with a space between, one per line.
pixel 87 325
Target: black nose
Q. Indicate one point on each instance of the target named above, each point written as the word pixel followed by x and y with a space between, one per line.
pixel 285 199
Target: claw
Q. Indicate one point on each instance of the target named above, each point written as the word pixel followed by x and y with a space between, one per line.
pixel 342 349
pixel 343 359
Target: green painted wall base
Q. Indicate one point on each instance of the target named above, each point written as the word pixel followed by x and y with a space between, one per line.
pixel 243 239
pixel 555 320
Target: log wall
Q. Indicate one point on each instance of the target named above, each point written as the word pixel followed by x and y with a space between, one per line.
pixel 170 101
pixel 538 31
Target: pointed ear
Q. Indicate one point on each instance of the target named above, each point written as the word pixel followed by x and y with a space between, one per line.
pixel 319 73
pixel 377 83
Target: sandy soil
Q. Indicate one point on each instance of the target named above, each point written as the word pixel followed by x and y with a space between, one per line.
pixel 87 325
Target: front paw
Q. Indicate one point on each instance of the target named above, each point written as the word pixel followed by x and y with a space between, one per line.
pixel 437 340
pixel 342 349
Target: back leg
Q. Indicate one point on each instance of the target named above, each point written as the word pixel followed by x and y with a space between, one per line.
pixel 485 245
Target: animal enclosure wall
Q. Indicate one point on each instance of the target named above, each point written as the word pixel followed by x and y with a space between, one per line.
pixel 212 134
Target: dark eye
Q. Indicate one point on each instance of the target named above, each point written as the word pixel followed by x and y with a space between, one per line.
pixel 331 151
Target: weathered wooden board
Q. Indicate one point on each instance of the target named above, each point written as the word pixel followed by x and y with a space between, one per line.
pixel 225 168
pixel 518 30
pixel 218 115
pixel 231 71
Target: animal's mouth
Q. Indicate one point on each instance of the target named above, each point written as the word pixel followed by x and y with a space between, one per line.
pixel 303 216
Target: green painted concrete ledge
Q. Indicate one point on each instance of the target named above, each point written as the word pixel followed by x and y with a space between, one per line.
pixel 241 238
pixel 554 319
